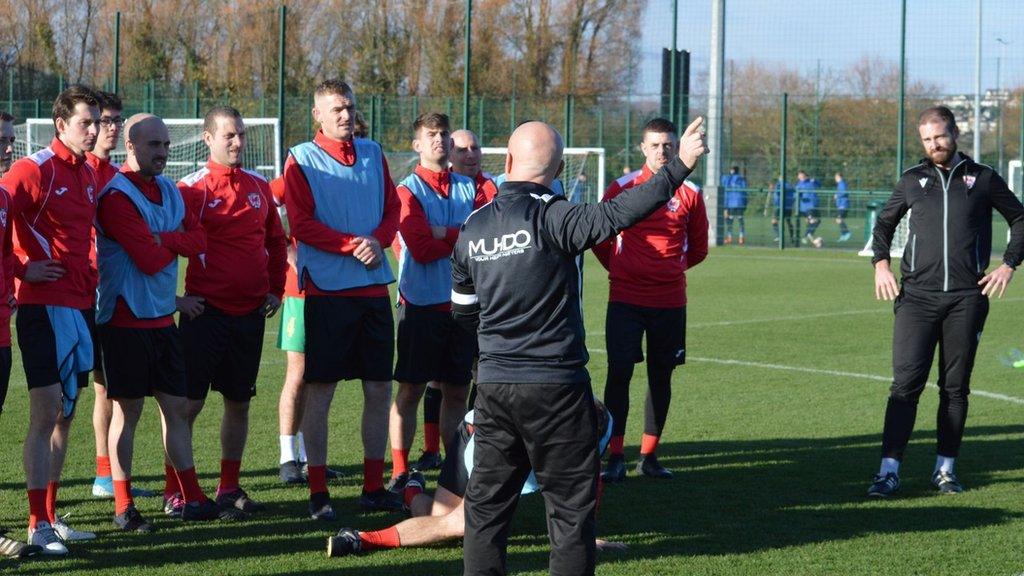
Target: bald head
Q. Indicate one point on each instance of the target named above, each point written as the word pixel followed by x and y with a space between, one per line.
pixel 534 154
pixel 465 154
pixel 147 143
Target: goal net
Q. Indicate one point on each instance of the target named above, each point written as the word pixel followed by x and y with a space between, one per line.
pixel 582 179
pixel 188 152
pixel 899 238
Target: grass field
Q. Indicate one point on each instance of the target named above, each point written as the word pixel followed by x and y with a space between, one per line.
pixel 773 433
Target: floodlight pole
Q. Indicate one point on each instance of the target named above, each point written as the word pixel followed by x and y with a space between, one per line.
pixel 282 19
pixel 672 63
pixel 901 113
pixel 117 52
pixel 977 92
pixel 781 182
pixel 716 88
pixel 466 66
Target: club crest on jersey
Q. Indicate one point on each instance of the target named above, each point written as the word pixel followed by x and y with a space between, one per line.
pixel 969 181
pixel 673 204
pixel 60 191
pixel 924 182
pixel 89 193
pixel 3 217
pixel 254 200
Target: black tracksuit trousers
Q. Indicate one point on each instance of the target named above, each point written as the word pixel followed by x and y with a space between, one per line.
pixel 553 429
pixel 953 321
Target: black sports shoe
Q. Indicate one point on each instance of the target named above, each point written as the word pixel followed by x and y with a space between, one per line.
pixel 238 499
pixel 131 521
pixel 884 485
pixel 947 482
pixel 346 542
pixel 290 473
pixel 174 505
pixel 381 499
pixel 649 466
pixel 320 507
pixel 615 470
pixel 429 461
pixel 397 484
pixel 209 510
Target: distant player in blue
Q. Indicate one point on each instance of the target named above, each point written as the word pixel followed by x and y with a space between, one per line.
pixel 807 188
pixel 735 185
pixel 842 205
pixel 789 198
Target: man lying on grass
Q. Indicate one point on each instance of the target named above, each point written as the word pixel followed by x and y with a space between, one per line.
pixel 441 517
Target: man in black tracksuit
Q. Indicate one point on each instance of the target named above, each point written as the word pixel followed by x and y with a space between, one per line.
pixel 944 296
pixel 514 275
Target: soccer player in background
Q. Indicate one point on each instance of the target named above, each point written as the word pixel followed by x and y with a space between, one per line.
pixel 235 285
pixel 788 199
pixel 647 265
pixel 143 226
pixel 53 206
pixel 464 159
pixel 943 296
pixel 842 198
pixel 342 207
pixel 735 185
pixel 100 159
pixel 807 188
pixel 431 346
pixel 8 546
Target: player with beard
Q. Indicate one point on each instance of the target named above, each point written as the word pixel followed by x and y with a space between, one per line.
pixel 942 298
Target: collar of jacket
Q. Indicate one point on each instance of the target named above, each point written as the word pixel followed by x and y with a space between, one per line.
pixel 510 188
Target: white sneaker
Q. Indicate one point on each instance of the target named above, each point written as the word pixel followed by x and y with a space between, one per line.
pixel 69 534
pixel 46 538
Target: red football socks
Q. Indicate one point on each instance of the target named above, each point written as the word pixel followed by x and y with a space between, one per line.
pixel 386 538
pixel 171 485
pixel 431 437
pixel 122 495
pixel 317 479
pixel 190 489
pixel 102 466
pixel 373 471
pixel 51 501
pixel 615 445
pixel 36 507
pixel 648 444
pixel 229 471
pixel 399 462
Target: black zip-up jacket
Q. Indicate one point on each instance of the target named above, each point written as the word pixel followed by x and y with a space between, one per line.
pixel 950 239
pixel 515 276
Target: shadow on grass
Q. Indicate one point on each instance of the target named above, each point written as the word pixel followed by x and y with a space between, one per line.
pixel 728 497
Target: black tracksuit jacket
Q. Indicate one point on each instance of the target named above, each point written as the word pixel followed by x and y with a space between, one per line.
pixel 515 274
pixel 950 239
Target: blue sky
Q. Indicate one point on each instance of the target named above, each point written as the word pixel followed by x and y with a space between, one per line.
pixel 800 34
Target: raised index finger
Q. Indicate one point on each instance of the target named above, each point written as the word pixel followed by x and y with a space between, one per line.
pixel 694 126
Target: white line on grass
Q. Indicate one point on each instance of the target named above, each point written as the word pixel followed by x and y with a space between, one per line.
pixel 840 373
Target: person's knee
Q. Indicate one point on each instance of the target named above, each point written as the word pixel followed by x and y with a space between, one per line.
pixel 235 410
pixel 377 394
pixel 455 395
pixel 905 393
pixel 408 395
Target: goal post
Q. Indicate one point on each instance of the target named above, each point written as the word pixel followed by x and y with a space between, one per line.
pixel 582 179
pixel 188 152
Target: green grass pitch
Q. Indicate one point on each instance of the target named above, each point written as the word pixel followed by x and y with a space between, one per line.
pixel 773 434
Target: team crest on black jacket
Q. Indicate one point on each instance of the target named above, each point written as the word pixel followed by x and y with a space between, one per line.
pixel 255 201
